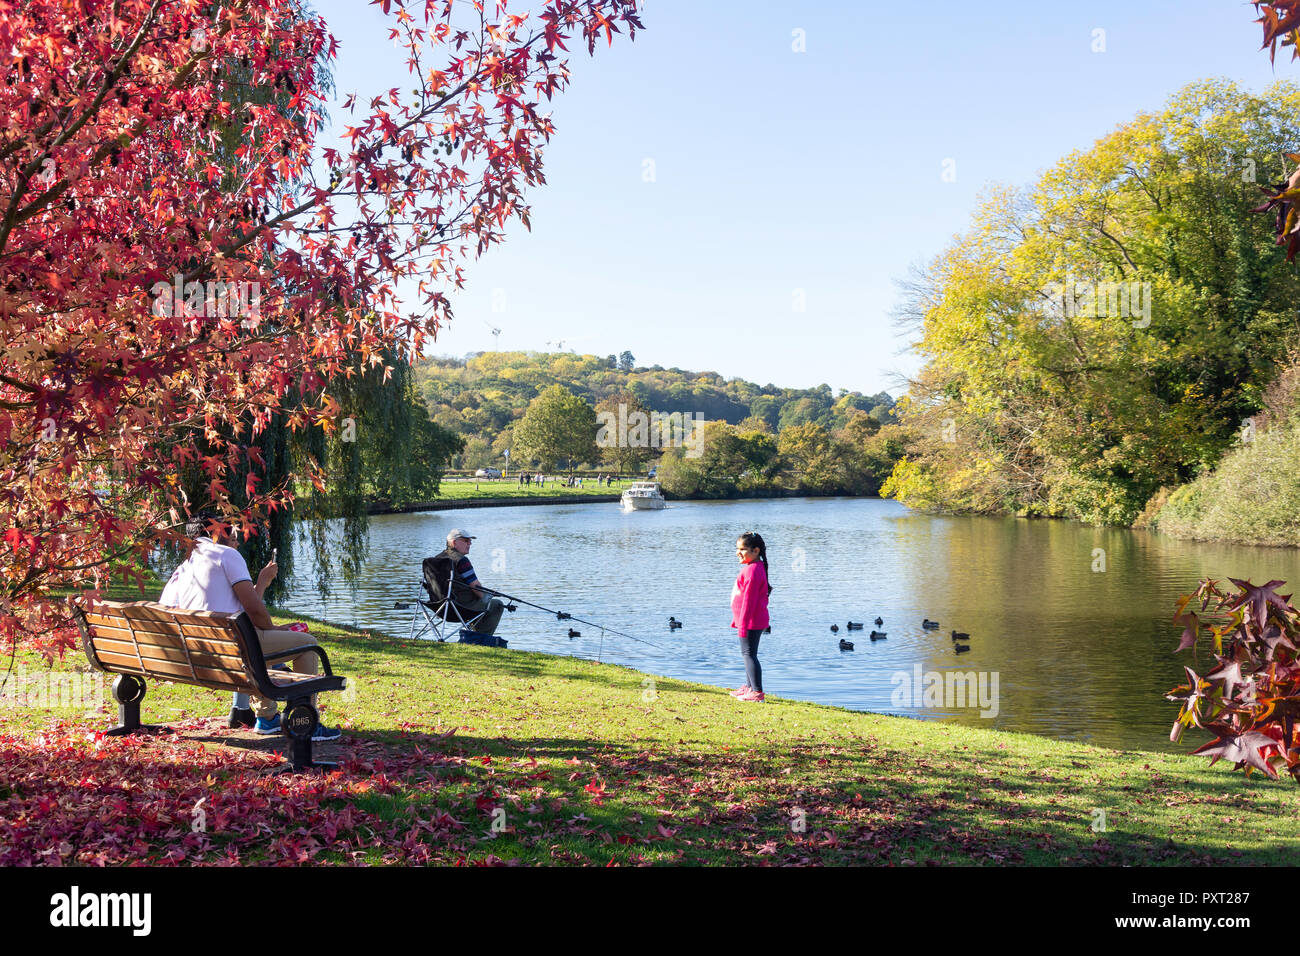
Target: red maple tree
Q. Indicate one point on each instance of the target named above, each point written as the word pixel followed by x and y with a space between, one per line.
pixel 163 282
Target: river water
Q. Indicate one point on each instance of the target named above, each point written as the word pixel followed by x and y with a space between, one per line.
pixel 1070 625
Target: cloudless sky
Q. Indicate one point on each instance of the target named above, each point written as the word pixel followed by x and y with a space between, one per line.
pixel 777 171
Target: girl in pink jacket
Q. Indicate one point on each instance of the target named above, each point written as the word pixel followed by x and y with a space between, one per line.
pixel 749 610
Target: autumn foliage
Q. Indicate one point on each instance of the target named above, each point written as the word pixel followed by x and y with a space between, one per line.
pixel 179 253
pixel 1250 699
pixel 1281 22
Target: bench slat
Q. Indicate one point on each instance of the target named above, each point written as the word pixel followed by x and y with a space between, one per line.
pixel 228 679
pixel 172 630
pixel 157 639
pixel 208 631
pixel 148 611
pixel 152 610
pixel 285 678
pixel 158 653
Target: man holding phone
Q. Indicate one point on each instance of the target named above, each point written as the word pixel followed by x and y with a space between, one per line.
pixel 215 578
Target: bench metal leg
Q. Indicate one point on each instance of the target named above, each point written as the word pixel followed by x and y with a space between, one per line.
pixel 300 721
pixel 128 691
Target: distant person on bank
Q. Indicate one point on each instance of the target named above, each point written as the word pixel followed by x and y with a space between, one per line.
pixel 215 578
pixel 467 591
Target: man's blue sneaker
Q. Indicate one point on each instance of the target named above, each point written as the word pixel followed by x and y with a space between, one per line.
pixel 324 733
pixel 271 726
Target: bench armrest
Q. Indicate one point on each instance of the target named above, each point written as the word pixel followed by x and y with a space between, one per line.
pixel 295 651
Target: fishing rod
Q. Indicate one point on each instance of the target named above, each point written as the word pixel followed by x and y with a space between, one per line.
pixel 566 616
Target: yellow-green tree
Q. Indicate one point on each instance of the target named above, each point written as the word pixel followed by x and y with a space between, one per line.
pixel 558 427
pixel 1106 331
pixel 810 457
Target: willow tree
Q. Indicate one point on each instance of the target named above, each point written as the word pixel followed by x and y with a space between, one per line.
pixel 380 447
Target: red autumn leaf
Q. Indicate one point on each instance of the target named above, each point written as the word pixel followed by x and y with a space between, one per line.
pixel 1242 749
pixel 1247 700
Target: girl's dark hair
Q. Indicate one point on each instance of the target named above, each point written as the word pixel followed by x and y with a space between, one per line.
pixel 752 539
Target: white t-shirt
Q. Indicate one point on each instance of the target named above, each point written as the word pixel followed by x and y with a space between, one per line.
pixel 206 580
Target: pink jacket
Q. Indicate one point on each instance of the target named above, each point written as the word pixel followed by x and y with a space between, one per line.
pixel 749 598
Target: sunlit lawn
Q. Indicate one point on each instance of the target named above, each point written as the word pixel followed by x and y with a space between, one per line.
pixel 457 753
pixel 455 488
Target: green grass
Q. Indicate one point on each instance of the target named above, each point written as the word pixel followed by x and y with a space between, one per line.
pixel 590 763
pixel 456 489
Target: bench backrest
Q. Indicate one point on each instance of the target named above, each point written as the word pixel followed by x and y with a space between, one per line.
pixel 206 648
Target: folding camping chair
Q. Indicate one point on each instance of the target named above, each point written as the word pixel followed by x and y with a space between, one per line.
pixel 439 613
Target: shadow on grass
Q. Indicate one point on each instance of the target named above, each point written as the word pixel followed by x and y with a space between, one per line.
pixel 412 796
pixel 742 807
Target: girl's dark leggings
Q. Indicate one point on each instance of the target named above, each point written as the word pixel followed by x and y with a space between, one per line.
pixel 749 650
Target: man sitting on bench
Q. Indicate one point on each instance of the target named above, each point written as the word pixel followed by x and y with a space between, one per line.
pixel 215 578
pixel 466 589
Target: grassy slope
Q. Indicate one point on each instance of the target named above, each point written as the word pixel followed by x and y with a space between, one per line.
pixel 590 763
pixel 1251 496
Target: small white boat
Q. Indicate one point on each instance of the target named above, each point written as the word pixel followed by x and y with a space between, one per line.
pixel 642 496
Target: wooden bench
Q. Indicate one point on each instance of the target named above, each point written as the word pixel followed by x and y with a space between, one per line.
pixel 143 640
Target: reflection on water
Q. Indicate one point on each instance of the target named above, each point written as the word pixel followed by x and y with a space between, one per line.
pixel 1073 621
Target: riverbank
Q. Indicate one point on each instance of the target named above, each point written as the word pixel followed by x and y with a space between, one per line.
pixel 1251 496
pixel 507 494
pixel 454 503
pixel 463 754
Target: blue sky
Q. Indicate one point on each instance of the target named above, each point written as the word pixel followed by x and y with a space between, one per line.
pixel 779 173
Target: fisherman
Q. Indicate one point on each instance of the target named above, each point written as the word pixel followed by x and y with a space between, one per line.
pixel 467 592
